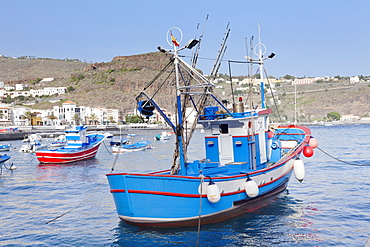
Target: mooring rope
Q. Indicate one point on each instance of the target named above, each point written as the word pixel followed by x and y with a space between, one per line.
pixel 107 148
pixel 78 204
pixel 9 166
pixel 114 164
pixel 349 163
pixel 200 206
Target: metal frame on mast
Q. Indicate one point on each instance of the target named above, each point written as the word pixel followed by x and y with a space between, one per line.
pixel 179 127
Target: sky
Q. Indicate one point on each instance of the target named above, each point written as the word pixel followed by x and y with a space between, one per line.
pixel 310 38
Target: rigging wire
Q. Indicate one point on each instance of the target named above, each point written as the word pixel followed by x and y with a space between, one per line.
pixel 272 94
pixel 195 55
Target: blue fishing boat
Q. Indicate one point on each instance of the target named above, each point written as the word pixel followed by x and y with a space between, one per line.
pixel 132 147
pixel 3 159
pixel 247 162
pixel 119 142
pixel 4 147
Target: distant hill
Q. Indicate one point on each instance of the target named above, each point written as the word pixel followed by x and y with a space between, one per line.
pixel 23 69
pixel 115 84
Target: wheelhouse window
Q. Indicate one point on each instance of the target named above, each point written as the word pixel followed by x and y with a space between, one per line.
pixel 224 128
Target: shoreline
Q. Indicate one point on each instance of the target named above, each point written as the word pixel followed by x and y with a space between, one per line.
pixel 52 131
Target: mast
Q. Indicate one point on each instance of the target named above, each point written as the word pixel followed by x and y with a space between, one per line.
pixel 295 103
pixel 259 51
pixel 180 127
pixel 260 61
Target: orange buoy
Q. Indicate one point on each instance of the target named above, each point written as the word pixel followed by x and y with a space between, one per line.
pixel 308 151
pixel 313 142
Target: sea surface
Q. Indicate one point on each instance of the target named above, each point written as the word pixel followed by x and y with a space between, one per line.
pixel 331 207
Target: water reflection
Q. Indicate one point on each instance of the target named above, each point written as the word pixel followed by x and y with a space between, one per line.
pixel 286 220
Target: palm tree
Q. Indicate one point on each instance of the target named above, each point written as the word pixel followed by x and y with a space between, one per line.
pixel 77 119
pixel 93 118
pixel 52 117
pixel 28 115
pixel 111 119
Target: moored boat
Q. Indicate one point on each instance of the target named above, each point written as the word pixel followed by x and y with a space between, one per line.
pixel 163 136
pixel 4 147
pixel 3 159
pixel 246 163
pixel 133 147
pixel 80 146
pixel 31 147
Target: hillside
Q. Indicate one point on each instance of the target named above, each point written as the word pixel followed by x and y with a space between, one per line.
pixel 115 84
pixel 23 69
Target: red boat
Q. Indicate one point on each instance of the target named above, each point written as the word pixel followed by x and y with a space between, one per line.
pixel 80 146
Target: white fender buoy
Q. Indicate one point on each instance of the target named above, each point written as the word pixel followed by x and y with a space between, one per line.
pixel 251 187
pixel 299 172
pixel 12 167
pixel 213 192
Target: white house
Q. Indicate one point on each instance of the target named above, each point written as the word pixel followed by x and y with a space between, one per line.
pixel 303 81
pixel 354 79
pixel 5 116
pixel 47 79
pixel 18 87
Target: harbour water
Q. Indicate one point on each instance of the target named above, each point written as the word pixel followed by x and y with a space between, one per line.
pixel 331 207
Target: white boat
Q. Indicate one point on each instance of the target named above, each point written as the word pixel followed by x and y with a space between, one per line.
pixel 32 138
pixel 163 136
pixel 32 147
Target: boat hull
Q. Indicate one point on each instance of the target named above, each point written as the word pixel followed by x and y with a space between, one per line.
pixel 66 157
pixel 174 201
pixel 4 158
pixel 139 146
pixel 244 207
pixel 61 156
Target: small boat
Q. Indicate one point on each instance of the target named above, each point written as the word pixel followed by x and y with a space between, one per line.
pixel 3 159
pixel 5 147
pixel 80 146
pixel 134 147
pixel 163 136
pixel 246 164
pixel 32 138
pixel 31 147
pixel 60 141
pixel 119 142
pixel 109 135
